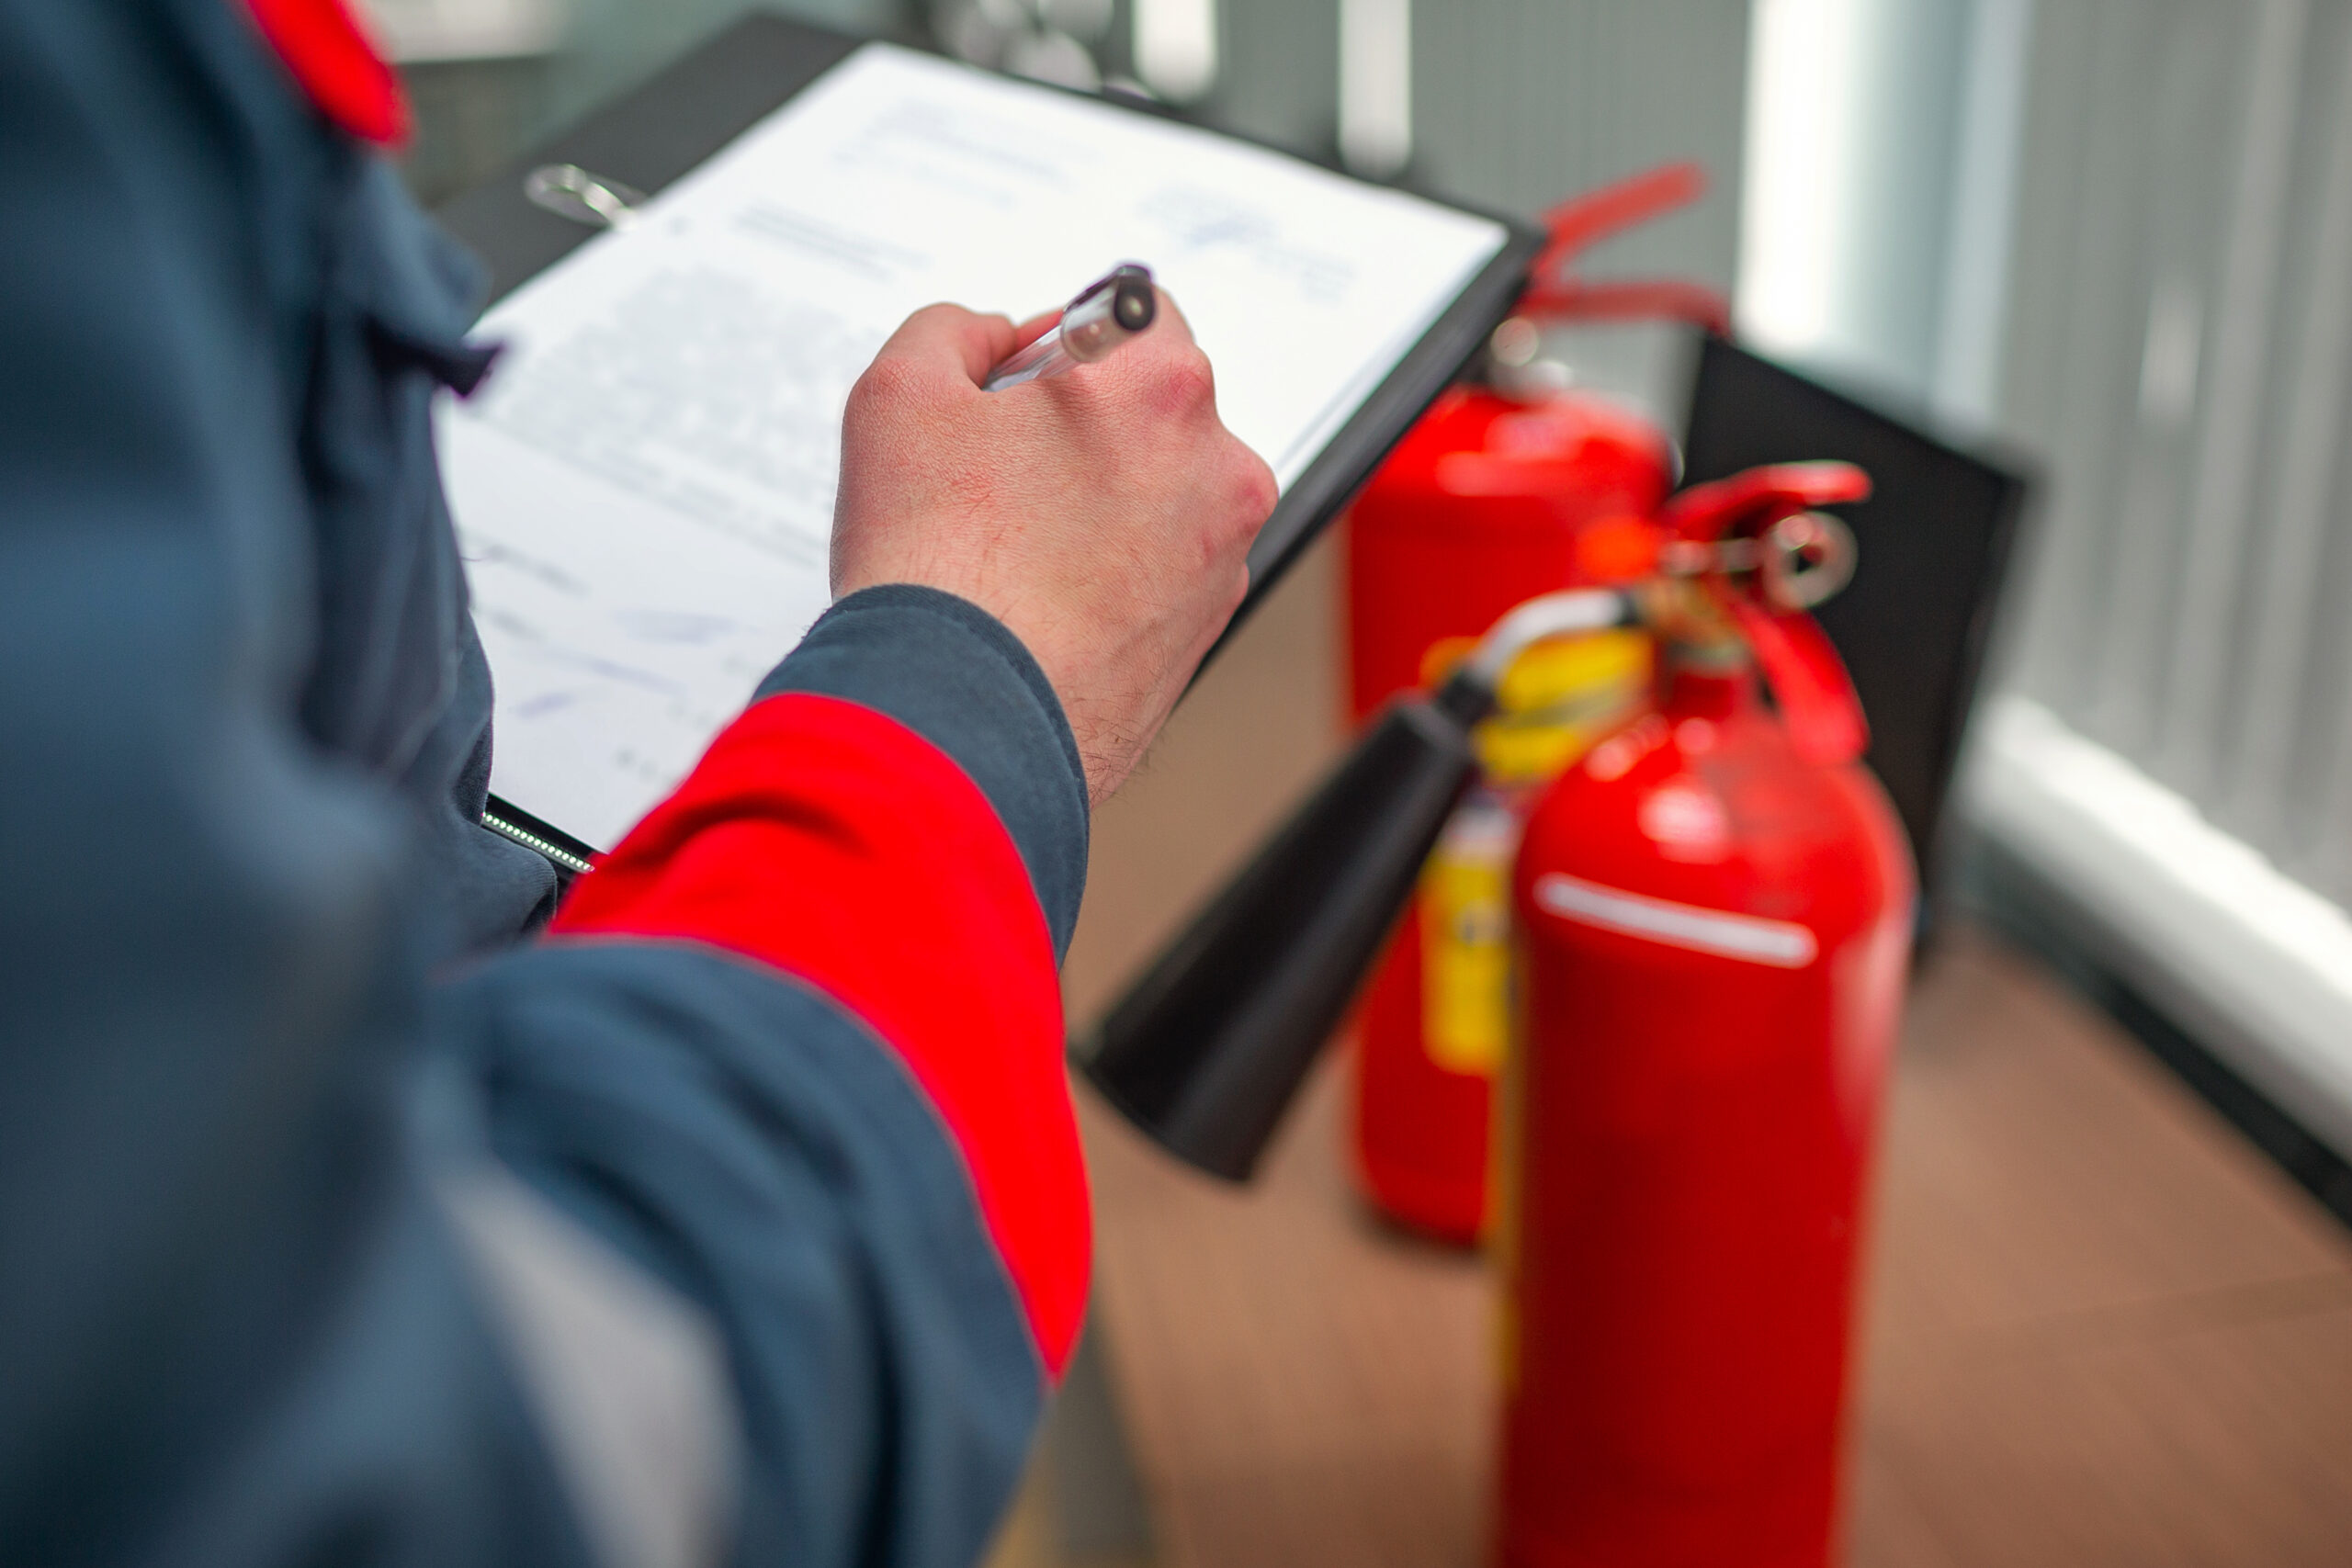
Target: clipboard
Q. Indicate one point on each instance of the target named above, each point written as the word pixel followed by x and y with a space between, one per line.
pixel 1936 539
pixel 651 137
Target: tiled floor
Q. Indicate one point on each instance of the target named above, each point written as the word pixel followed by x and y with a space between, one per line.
pixel 2103 1330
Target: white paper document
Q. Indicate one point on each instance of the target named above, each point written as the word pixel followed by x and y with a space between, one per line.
pixel 643 492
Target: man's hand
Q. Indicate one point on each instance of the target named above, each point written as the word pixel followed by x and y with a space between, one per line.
pixel 1104 515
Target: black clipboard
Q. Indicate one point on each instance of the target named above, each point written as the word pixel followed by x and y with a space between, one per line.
pixel 1935 541
pixel 651 137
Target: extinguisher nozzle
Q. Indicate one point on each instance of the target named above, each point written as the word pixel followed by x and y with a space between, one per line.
pixel 1206 1049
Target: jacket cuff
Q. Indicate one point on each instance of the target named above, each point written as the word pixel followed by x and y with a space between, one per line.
pixel 953 673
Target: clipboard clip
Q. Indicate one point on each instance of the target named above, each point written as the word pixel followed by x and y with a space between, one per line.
pixel 569 191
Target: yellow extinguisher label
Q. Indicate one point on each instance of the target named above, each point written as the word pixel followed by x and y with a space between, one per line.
pixel 1466 938
pixel 1556 699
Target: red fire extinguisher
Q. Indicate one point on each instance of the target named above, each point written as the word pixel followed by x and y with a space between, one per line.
pixel 1493 497
pixel 1715 914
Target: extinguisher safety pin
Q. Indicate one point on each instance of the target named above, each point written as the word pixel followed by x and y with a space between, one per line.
pixel 1808 557
pixel 569 191
pixel 1802 560
pixel 1697 557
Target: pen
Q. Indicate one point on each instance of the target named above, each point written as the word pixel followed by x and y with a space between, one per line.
pixel 1107 312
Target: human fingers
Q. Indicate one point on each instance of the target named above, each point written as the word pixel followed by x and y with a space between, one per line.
pixel 1167 344
pixel 946 337
pixel 1173 313
pixel 1036 327
pixel 1163 376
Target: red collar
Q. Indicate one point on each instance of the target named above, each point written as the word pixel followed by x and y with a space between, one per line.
pixel 338 66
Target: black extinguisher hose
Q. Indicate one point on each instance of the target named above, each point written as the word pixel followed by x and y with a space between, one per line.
pixel 1208 1046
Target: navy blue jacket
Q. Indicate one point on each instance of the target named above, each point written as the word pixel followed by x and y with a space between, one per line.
pixel 347 1214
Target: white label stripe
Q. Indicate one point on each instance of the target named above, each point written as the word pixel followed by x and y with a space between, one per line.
pixel 1784 944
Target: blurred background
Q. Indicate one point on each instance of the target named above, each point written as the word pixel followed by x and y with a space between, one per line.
pixel 2111 1304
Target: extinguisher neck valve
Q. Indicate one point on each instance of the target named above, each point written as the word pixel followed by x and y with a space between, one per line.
pixel 1721 657
pixel 1708 690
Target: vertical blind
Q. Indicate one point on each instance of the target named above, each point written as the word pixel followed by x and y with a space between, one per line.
pixel 2179 341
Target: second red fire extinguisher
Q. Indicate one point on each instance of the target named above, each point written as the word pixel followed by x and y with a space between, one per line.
pixel 1500 493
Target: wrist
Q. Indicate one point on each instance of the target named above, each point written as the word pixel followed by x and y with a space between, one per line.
pixel 956 675
pixel 1074 668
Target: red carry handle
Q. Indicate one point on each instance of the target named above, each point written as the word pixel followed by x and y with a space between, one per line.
pixel 1580 221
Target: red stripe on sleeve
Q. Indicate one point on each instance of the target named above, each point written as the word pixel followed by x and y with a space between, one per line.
pixel 829 841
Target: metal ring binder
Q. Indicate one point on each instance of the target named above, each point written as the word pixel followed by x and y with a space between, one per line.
pixel 564 859
pixel 569 191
